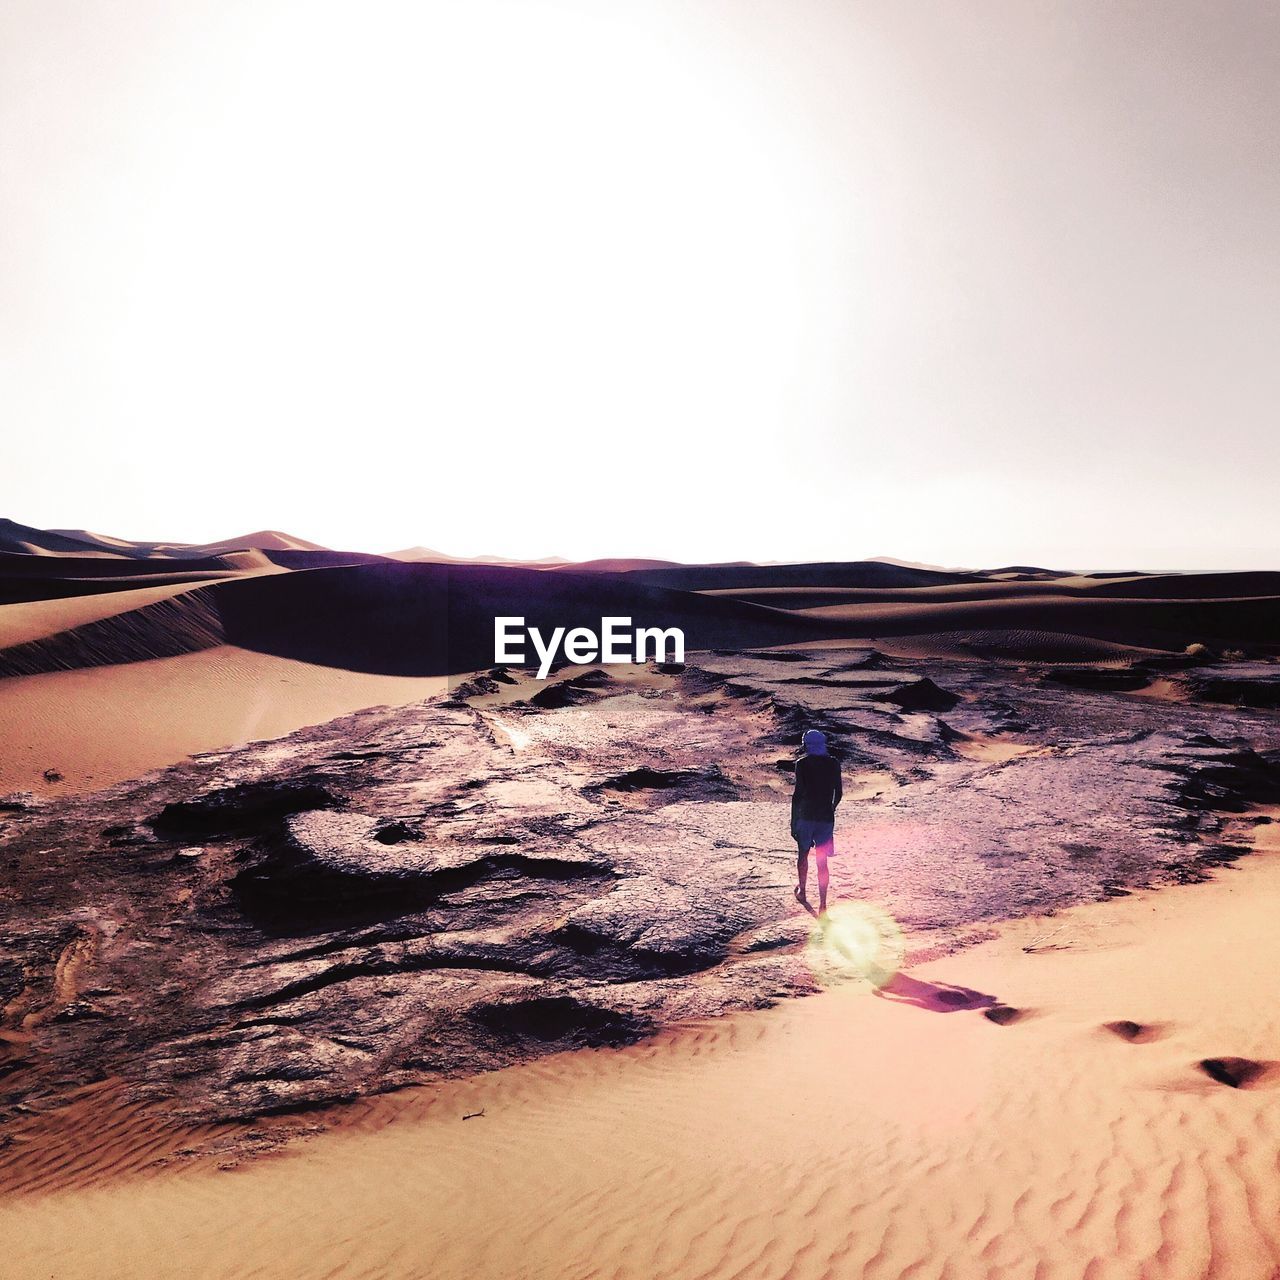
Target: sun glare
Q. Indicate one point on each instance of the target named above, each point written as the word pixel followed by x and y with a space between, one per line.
pixel 492 236
pixel 856 942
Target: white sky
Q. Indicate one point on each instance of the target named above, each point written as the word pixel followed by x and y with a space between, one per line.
pixel 965 283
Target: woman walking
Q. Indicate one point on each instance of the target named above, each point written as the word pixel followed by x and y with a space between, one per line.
pixel 813 813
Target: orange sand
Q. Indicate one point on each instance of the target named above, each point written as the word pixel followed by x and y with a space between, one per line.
pixel 100 725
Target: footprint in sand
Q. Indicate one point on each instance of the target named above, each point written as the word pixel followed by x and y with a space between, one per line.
pixel 1003 1014
pixel 1240 1073
pixel 1135 1032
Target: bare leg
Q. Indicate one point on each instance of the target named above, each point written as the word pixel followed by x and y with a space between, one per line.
pixel 820 852
pixel 802 869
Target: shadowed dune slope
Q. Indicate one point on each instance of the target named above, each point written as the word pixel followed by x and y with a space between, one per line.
pixel 27 577
pixel 433 619
pixel 1160 624
pixel 1027 645
pixel 321 559
pixel 853 573
pixel 1190 586
pixel 24 539
pixel 185 623
pixel 398 619
pixel 30 577
pixel 1178 587
pixel 40 619
pixel 615 565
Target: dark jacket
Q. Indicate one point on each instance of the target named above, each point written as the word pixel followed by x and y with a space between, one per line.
pixel 818 789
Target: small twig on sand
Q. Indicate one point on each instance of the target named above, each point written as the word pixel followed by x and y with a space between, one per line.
pixel 1049 941
pixel 472 1115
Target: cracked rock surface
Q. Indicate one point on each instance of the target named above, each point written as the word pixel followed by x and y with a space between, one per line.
pixel 524 867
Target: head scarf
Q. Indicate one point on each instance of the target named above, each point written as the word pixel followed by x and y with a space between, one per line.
pixel 815 742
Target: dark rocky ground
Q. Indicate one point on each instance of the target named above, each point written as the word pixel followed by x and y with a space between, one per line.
pixel 451 887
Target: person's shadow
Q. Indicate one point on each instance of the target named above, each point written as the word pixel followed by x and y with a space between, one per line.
pixel 937 997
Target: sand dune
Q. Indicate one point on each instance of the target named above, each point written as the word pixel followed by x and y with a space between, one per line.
pixel 431 619
pixel 1186 587
pixel 262 540
pixel 435 619
pixel 103 541
pixel 71 600
pixel 26 539
pixel 1152 623
pixel 617 565
pixel 24 577
pixel 856 573
pixel 23 539
pixel 181 622
pixel 1193 586
pixel 194 659
pixel 1019 645
pixel 440 557
pixel 38 619
pixel 394 619
pixel 94 727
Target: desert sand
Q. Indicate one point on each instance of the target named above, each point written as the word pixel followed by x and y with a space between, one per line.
pixel 326 949
pixel 97 726
pixel 182 649
pixel 275 593
pixel 847 1134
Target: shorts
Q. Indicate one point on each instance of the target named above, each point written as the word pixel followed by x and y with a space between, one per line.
pixel 811 831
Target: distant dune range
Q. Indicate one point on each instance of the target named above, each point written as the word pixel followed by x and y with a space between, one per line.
pixel 73 601
pixel 80 542
pixel 427 618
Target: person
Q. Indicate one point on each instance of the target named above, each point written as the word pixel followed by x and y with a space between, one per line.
pixel 813 813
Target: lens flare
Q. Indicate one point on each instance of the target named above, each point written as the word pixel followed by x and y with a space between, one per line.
pixel 856 941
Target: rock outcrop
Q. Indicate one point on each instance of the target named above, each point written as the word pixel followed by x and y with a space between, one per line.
pixel 451 887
